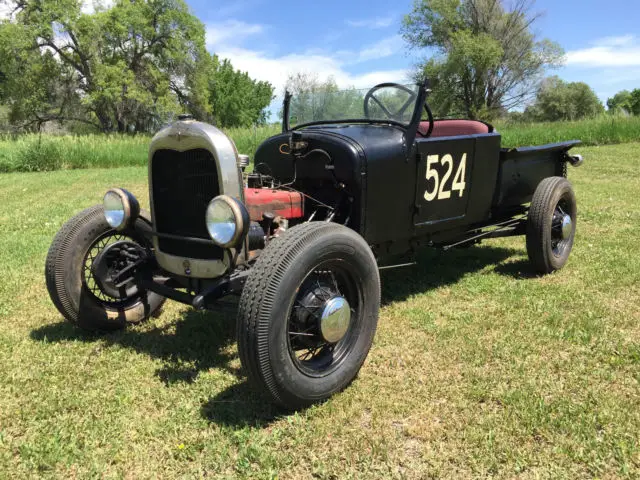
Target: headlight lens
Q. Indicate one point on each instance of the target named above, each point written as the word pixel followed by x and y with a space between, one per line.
pixel 114 210
pixel 120 208
pixel 227 221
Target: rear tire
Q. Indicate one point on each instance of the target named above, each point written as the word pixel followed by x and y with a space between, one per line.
pixel 287 344
pixel 77 299
pixel 551 224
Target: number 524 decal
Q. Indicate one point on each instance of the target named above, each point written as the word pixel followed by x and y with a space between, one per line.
pixel 441 190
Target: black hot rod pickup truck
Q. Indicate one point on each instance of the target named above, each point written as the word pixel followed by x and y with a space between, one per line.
pixel 362 180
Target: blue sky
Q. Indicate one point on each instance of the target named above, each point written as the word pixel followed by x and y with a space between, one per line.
pixel 358 43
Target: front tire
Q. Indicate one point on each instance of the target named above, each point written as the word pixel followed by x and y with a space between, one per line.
pixel 551 224
pixel 82 299
pixel 308 313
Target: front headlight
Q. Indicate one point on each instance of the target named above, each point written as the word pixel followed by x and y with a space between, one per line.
pixel 227 221
pixel 120 208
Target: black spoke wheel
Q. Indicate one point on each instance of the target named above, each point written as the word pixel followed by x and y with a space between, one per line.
pixel 308 313
pixel 82 273
pixel 323 318
pixel 108 256
pixel 551 224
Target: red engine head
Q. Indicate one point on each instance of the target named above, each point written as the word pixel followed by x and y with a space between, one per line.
pixel 282 203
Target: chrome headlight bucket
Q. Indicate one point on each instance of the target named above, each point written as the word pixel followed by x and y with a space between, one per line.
pixel 121 208
pixel 227 221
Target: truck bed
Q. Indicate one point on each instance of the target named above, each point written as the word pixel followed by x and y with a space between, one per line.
pixel 522 169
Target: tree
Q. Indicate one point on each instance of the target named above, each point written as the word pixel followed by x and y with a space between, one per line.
pixel 487 57
pixel 127 67
pixel 621 101
pixel 634 101
pixel 236 99
pixel 558 100
pixel 315 99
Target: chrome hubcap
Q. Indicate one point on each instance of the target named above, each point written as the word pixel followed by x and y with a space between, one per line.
pixel 567 226
pixel 335 318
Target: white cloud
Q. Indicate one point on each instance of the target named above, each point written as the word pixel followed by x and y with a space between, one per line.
pixel 384 48
pixel 234 39
pixel 622 51
pixel 379 22
pixel 234 30
pixel 276 69
pixel 618 41
pixel 6 8
pixel 90 6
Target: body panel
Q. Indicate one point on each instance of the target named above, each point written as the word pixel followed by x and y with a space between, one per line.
pixel 473 203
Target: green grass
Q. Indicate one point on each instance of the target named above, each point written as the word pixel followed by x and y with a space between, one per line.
pixel 30 153
pixel 34 153
pixel 603 130
pixel 478 369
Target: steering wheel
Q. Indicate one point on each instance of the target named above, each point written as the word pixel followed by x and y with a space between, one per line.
pixel 395 116
pixel 431 121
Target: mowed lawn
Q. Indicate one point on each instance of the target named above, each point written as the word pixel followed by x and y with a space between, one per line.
pixel 479 369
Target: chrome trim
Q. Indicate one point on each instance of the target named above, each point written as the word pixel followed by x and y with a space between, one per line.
pixel 188 135
pixel 576 160
pixel 243 161
pixel 567 226
pixel 335 319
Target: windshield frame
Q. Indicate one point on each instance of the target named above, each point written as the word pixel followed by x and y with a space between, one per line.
pixel 417 112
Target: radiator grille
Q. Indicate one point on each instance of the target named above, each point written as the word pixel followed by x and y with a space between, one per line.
pixel 183 185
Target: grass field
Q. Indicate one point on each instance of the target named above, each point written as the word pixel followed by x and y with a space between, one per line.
pixel 478 369
pixel 29 153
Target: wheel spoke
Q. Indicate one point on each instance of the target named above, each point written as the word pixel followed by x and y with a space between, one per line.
pixel 117 259
pixel 302 334
pixel 335 283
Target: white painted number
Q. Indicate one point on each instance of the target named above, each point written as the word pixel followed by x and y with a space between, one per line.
pixel 458 181
pixel 432 173
pixel 440 191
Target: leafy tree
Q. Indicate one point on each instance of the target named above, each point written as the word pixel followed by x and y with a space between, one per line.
pixel 236 99
pixel 486 55
pixel 129 66
pixel 621 101
pixel 558 100
pixel 315 99
pixel 634 101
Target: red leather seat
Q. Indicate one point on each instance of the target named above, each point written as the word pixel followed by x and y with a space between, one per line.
pixel 454 128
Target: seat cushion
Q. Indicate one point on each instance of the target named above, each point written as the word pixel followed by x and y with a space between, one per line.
pixel 454 128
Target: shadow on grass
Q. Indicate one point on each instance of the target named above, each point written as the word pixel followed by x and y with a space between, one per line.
pixel 241 406
pixel 520 270
pixel 200 341
pixel 195 343
pixel 436 268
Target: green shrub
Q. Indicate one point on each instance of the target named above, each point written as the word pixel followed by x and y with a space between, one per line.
pixel 40 156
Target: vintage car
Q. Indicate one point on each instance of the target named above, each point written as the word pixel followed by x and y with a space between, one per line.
pixel 360 183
